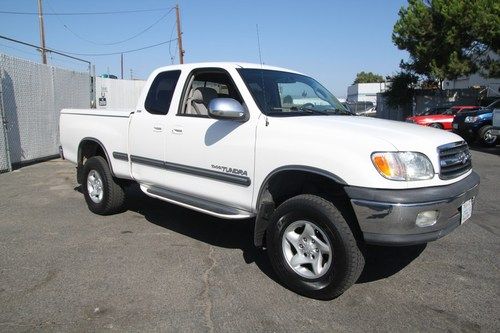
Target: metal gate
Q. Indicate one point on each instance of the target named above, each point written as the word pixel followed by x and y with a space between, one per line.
pixel 32 96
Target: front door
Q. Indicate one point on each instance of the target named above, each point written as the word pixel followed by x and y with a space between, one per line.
pixel 210 158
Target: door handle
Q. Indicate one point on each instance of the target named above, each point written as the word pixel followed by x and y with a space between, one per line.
pixel 157 128
pixel 177 130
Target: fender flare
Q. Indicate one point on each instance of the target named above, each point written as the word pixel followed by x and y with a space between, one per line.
pixel 265 208
pixel 79 167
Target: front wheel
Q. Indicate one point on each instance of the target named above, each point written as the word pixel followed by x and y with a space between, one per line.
pixel 102 193
pixel 312 248
pixel 436 125
pixel 486 137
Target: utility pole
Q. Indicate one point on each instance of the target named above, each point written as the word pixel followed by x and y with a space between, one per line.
pixel 42 32
pixel 122 64
pixel 179 34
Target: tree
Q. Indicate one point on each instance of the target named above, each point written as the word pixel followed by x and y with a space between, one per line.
pixel 449 38
pixel 400 91
pixel 368 77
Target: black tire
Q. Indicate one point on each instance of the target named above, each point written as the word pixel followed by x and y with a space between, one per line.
pixel 436 125
pixel 484 134
pixel 113 198
pixel 347 260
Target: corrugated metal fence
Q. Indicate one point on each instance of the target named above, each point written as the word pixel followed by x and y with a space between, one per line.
pixel 32 96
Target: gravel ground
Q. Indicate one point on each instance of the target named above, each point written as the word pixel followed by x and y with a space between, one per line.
pixel 162 267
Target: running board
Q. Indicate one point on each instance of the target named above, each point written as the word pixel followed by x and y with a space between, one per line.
pixel 197 204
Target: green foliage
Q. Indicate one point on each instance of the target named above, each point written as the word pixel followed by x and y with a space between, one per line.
pixel 449 38
pixel 368 77
pixel 400 92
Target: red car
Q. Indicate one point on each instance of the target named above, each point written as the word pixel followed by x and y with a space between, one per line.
pixel 442 118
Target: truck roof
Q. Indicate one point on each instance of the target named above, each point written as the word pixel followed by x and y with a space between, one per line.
pixel 225 64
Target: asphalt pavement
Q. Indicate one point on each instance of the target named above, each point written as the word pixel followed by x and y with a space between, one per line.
pixel 165 268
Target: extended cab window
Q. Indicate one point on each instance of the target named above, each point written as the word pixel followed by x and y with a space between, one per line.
pixel 203 88
pixel 161 92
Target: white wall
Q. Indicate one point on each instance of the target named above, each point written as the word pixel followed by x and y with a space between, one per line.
pixel 365 92
pixel 475 80
pixel 119 94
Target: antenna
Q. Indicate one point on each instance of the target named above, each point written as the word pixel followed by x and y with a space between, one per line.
pixel 258 44
pixel 262 75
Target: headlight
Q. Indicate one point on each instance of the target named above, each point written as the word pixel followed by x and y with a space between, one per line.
pixel 471 119
pixel 403 165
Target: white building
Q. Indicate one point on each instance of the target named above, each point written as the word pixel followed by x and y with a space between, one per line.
pixel 365 92
pixel 492 86
pixel 117 94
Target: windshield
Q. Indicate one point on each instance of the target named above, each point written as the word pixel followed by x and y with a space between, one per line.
pixel 288 94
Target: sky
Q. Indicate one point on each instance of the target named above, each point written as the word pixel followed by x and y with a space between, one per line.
pixel 328 40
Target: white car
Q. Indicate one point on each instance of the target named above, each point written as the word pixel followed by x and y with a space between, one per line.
pixel 230 140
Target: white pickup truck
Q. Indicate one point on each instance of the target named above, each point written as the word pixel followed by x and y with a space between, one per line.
pixel 238 141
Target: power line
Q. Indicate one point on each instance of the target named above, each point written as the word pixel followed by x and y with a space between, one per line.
pixel 119 52
pixel 111 43
pixel 87 13
pixel 44 49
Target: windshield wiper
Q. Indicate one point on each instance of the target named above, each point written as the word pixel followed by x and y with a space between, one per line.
pixel 341 111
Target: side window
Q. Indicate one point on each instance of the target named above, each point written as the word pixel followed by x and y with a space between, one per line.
pixel 204 87
pixel 161 91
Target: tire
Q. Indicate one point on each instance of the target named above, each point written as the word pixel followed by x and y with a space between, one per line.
pixel 109 198
pixel 486 138
pixel 436 125
pixel 330 228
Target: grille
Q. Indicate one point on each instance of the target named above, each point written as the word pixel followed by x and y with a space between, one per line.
pixel 454 160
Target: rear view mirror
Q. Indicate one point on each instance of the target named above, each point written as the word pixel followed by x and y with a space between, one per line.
pixel 227 108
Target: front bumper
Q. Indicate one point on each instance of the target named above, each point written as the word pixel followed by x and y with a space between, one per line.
pixel 387 217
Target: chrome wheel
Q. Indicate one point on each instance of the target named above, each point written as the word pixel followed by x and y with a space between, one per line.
pixel 94 186
pixel 306 249
pixel 489 138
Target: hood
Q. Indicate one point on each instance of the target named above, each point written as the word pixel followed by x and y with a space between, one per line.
pixel 463 114
pixel 402 136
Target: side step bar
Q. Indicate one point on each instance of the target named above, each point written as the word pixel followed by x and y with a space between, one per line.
pixel 197 204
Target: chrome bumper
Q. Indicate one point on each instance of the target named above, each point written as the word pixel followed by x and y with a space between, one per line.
pixel 388 216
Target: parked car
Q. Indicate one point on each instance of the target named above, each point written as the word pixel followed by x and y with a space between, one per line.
pixel 477 125
pixel 442 118
pixel 219 138
pixel 434 110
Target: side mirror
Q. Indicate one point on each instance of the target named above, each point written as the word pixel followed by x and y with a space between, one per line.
pixel 227 108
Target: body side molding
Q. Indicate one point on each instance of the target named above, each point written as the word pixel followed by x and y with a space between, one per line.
pixel 222 176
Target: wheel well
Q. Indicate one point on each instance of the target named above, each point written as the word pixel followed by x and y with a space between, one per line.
pixel 289 183
pixel 89 148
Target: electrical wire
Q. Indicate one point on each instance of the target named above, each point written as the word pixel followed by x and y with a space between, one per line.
pixel 87 13
pixel 115 53
pixel 111 43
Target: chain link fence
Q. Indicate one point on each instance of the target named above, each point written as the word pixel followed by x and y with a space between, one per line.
pixel 33 95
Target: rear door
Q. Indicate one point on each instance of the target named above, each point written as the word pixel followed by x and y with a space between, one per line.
pixel 148 128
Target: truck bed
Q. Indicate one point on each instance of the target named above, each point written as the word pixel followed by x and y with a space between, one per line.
pixel 107 127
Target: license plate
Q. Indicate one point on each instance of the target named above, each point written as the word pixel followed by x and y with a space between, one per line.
pixel 455 126
pixel 466 210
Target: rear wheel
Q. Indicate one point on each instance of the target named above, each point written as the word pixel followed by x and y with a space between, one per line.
pixel 312 248
pixel 103 194
pixel 486 137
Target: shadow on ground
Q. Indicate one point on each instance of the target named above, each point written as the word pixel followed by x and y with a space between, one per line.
pixel 491 150
pixel 381 262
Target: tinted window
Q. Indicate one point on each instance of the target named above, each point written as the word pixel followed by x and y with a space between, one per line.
pixel 161 91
